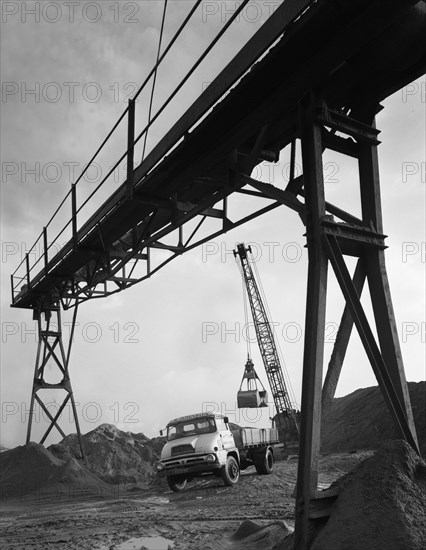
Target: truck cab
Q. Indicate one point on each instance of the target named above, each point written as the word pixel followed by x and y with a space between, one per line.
pixel 203 444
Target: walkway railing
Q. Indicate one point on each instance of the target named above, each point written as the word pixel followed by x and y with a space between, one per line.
pixel 45 253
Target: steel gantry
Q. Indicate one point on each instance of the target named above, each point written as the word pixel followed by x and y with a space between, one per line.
pixel 51 346
pixel 313 74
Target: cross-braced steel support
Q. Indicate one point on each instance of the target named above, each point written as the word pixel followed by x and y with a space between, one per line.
pixel 51 348
pixel 328 242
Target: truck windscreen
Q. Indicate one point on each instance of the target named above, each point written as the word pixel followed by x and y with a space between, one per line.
pixel 193 426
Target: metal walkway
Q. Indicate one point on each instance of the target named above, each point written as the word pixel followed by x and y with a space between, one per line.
pixel 324 45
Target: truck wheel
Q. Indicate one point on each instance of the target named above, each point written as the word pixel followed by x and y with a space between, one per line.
pixel 177 483
pixel 230 472
pixel 265 464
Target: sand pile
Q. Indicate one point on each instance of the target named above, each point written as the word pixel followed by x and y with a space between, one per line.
pixel 112 457
pixel 115 456
pixel 361 420
pixel 381 504
pixel 33 470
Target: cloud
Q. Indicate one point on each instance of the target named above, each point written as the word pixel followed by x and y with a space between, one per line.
pixel 150 350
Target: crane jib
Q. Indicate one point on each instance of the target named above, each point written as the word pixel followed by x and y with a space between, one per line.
pixel 287 415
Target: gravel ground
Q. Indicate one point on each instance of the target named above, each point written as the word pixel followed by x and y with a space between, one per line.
pixel 203 517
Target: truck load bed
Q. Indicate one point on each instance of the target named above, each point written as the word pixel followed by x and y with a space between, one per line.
pixel 254 437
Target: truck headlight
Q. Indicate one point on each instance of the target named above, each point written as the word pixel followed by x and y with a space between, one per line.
pixel 210 458
pixel 159 466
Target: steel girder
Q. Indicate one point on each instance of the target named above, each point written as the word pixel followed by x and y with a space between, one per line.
pixel 328 242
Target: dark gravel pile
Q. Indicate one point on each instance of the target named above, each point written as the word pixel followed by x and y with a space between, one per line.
pixel 361 420
pixel 381 504
pixel 115 456
pixel 33 470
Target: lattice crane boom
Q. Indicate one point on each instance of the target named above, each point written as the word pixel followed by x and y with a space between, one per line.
pixel 286 415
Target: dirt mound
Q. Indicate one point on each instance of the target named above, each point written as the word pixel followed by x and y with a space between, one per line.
pixel 381 504
pixel 252 536
pixel 361 420
pixel 32 469
pixel 115 456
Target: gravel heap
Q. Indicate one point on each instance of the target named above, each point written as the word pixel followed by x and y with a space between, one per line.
pixel 381 504
pixel 114 456
pixel 361 420
pixel 33 470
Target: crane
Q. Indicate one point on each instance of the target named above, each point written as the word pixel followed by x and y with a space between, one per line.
pixel 287 418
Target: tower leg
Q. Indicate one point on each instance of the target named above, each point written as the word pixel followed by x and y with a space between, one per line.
pixel 328 240
pixel 51 347
pixel 310 422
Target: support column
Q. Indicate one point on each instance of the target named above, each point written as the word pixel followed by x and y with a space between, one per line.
pixel 328 239
pixel 310 425
pixel 378 280
pixel 51 346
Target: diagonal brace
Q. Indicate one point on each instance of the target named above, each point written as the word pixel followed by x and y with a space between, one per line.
pixel 55 420
pixel 54 423
pixel 50 353
pixel 373 352
pixel 342 341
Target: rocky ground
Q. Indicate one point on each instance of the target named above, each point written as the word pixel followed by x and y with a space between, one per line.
pixel 203 517
pixel 116 502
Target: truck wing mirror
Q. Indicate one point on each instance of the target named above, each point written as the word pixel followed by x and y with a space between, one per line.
pixel 226 420
pixel 161 432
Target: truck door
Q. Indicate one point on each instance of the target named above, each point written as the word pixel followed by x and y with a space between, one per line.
pixel 225 434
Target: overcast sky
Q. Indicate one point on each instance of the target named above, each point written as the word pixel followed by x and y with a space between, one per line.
pixel 174 344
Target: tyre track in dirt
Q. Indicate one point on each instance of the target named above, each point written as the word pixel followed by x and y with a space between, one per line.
pixel 203 516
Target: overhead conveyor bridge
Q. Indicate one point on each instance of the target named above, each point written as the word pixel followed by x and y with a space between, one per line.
pixel 333 46
pixel 314 74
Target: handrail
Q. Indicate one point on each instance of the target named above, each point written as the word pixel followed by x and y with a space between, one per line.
pixel 29 252
pixel 59 207
pixel 155 67
pixel 141 88
pixel 43 234
pixel 102 145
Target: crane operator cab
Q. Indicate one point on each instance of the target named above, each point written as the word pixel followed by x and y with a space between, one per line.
pixel 253 396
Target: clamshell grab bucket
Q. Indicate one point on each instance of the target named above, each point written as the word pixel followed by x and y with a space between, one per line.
pixel 252 397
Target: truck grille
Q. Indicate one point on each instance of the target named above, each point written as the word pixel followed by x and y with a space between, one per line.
pixel 183 462
pixel 182 449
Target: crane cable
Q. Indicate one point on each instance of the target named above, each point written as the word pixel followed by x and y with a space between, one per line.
pixel 155 77
pixel 246 317
pixel 195 66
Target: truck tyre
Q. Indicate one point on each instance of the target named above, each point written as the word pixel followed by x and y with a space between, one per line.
pixel 230 472
pixel 177 483
pixel 265 464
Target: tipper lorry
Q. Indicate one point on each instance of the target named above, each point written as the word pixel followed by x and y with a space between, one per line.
pixel 204 444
